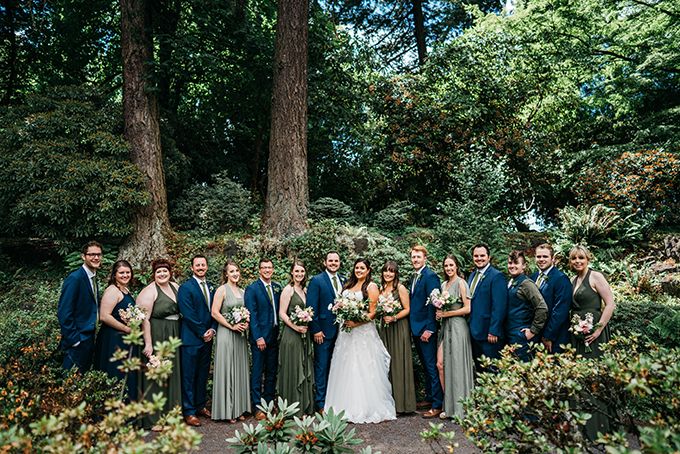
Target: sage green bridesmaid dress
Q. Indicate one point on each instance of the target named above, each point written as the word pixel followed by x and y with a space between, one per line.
pixel 231 377
pixel 296 364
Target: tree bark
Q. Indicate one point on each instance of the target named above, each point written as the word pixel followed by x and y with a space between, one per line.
pixel 287 186
pixel 142 131
pixel 419 27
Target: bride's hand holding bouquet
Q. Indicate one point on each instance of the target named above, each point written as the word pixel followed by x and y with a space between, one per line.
pixel 350 311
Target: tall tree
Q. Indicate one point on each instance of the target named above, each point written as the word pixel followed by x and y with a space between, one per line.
pixel 287 187
pixel 142 131
pixel 419 30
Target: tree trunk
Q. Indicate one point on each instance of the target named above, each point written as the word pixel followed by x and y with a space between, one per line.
pixel 419 26
pixel 287 187
pixel 142 132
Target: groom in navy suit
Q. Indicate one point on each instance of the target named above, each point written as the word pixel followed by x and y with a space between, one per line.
pixel 78 310
pixel 557 293
pixel 488 307
pixel 197 330
pixel 262 300
pixel 424 327
pixel 321 293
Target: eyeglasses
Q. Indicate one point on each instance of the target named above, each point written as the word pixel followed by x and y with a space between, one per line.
pixel 93 254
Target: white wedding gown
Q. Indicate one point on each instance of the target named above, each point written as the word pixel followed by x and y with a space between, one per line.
pixel 358 381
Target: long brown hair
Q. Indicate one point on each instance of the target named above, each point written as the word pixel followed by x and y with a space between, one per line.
pixel 291 282
pixel 459 272
pixel 225 276
pixel 352 281
pixel 392 266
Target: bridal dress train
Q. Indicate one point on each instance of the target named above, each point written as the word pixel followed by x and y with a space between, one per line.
pixel 358 379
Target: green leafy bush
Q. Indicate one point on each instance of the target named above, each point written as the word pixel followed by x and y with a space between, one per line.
pixel 330 208
pixel 66 173
pixel 654 320
pixel 603 228
pixel 395 218
pixel 218 207
pixel 542 405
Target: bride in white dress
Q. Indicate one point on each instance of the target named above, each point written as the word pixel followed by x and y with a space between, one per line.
pixel 358 380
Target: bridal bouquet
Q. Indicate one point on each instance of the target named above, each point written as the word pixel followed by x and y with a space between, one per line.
pixel 442 301
pixel 302 317
pixel 583 327
pixel 238 314
pixel 348 308
pixel 387 307
pixel 132 313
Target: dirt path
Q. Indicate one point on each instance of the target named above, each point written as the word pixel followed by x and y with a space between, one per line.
pixel 393 437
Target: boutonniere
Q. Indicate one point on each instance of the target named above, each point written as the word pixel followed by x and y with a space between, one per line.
pixel 513 283
pixel 276 289
pixel 211 288
pixel 483 277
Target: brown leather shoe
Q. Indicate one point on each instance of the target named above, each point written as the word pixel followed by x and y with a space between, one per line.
pixel 432 413
pixel 204 412
pixel 260 415
pixel 192 420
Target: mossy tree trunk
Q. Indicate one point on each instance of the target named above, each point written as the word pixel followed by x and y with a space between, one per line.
pixel 142 131
pixel 287 186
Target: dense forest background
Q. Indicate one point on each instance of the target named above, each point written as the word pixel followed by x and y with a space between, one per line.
pixel 441 109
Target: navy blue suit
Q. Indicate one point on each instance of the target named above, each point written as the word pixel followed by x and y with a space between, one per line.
pixel 422 318
pixel 77 314
pixel 196 353
pixel 320 297
pixel 557 293
pixel 263 326
pixel 488 310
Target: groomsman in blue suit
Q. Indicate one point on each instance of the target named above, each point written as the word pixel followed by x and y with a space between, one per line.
pixel 262 300
pixel 557 293
pixel 197 330
pixel 488 307
pixel 78 310
pixel 321 294
pixel 424 327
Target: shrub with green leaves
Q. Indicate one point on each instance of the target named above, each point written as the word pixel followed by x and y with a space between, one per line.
pixel 605 229
pixel 330 208
pixel 395 218
pixel 66 172
pixel 218 207
pixel 542 405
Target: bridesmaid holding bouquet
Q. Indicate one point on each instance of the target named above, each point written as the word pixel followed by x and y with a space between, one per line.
pixel 116 298
pixel 454 355
pixel 296 351
pixel 231 378
pixel 393 310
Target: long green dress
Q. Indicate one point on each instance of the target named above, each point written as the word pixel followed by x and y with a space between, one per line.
pixel 397 340
pixel 231 378
pixel 296 364
pixel 164 322
pixel 586 300
pixel 458 362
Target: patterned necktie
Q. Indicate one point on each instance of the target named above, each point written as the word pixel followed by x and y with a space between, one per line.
pixel 475 281
pixel 336 286
pixel 540 280
pixel 271 300
pixel 510 282
pixel 205 294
